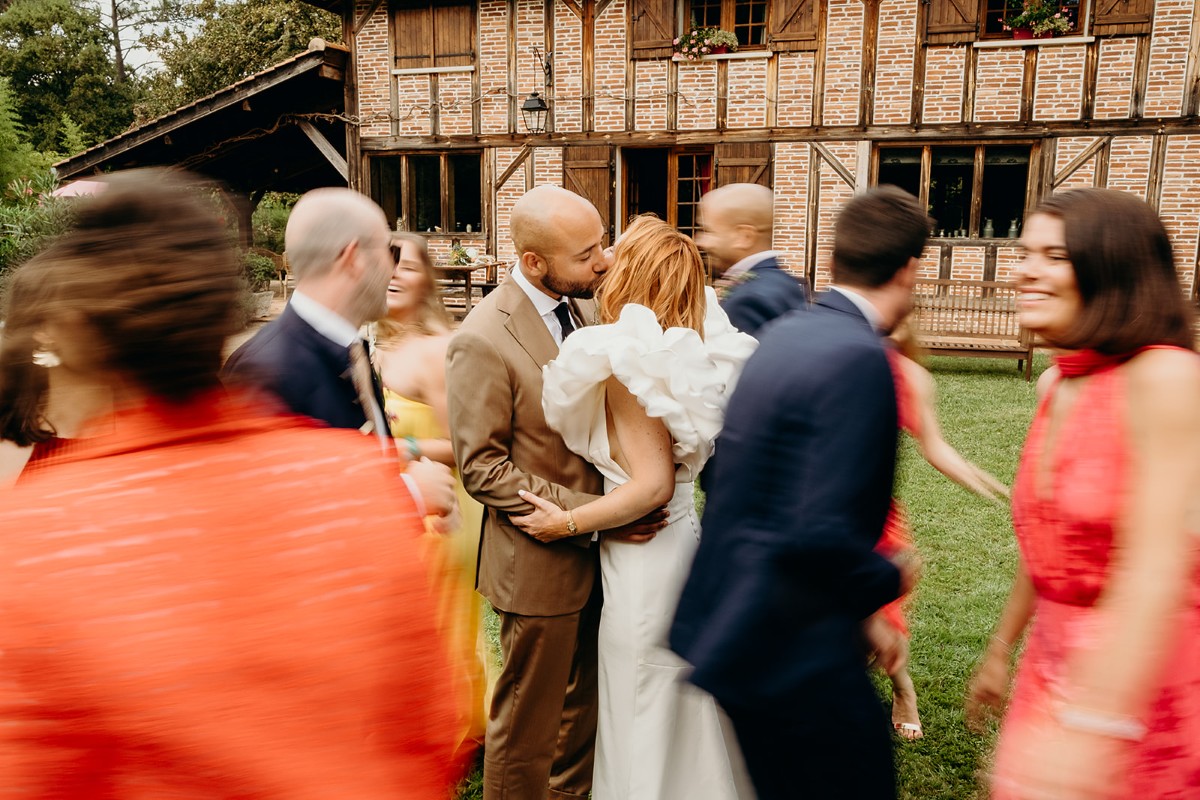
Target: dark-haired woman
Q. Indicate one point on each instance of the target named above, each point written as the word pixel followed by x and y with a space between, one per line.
pixel 1106 507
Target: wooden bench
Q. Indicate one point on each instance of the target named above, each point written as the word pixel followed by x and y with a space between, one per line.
pixel 971 318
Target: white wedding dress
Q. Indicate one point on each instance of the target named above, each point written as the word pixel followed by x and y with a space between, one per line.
pixel 659 737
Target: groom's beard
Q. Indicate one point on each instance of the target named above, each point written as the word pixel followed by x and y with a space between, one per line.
pixel 564 288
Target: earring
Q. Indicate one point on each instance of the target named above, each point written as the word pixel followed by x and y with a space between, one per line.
pixel 45 357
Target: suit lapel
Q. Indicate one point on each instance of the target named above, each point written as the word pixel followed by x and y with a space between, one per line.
pixel 836 301
pixel 524 324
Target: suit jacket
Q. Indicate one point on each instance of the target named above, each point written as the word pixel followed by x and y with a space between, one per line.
pixel 502 444
pixel 786 569
pixel 308 372
pixel 765 296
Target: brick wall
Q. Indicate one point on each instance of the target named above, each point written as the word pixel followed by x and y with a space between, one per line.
pixel 894 62
pixel 650 109
pixel 1114 77
pixel 1178 206
pixel 454 97
pixel 843 62
pixel 492 35
pixel 609 60
pixel 792 162
pixel 568 70
pixel 967 263
pixel 1007 261
pixel 1058 89
pixel 374 66
pixel 1129 164
pixel 944 84
pixel 1168 57
pixel 998 85
pixel 747 106
pixel 1068 149
pixel 834 192
pixel 506 197
pixel 795 89
pixel 697 104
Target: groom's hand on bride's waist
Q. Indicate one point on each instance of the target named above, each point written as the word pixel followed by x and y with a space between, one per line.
pixel 640 530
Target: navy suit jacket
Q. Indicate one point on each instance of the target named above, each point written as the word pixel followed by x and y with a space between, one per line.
pixel 769 294
pixel 308 372
pixel 786 569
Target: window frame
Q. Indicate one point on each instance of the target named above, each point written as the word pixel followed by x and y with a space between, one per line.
pixel 1082 22
pixel 406 192
pixel 673 156
pixel 975 210
pixel 728 19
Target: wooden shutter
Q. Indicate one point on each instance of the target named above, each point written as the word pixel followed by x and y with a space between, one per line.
pixel 746 162
pixel 588 171
pixel 1123 16
pixel 652 28
pixel 949 21
pixel 794 25
pixel 412 35
pixel 453 28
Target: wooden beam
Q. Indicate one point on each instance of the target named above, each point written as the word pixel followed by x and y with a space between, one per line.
pixel 1141 77
pixel 574 6
pixel 772 92
pixel 1100 175
pixel 522 154
pixel 812 211
pixel 1041 169
pixel 1191 81
pixel 947 133
pixel 1028 83
pixel 353 172
pixel 722 94
pixel 867 64
pixel 630 76
pixel 327 149
pixel 1091 66
pixel 588 79
pixel 838 167
pixel 601 5
pixel 818 95
pixel 366 16
pixel 1158 163
pixel 548 50
pixel 1079 161
pixel 512 66
pixel 920 49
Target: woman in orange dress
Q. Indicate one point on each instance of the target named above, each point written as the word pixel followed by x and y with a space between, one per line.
pixel 410 354
pixel 204 597
pixel 1106 506
pixel 917 416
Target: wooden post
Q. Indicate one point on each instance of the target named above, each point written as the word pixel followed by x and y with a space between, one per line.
pixel 970 60
pixel 1141 76
pixel 818 95
pixel 1091 64
pixel 547 50
pixel 867 67
pixel 722 94
pixel 1100 175
pixel 1191 81
pixel 811 213
pixel 1028 83
pixel 1158 162
pixel 588 79
pixel 513 96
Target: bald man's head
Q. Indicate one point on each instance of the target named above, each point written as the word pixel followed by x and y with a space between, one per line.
pixel 738 221
pixel 559 236
pixel 324 222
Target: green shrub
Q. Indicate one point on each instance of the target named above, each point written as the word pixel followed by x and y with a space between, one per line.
pixel 259 271
pixel 270 219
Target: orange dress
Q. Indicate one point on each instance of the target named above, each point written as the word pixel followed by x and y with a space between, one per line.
pixel 1067 544
pixel 896 534
pixel 217 602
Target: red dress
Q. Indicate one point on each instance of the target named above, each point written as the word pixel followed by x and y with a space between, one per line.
pixel 1067 544
pixel 896 535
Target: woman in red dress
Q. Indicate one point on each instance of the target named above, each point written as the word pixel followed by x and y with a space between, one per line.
pixel 1106 702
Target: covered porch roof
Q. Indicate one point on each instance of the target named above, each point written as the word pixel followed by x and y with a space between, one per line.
pixel 281 129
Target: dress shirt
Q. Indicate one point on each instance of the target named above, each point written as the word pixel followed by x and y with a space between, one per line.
pixel 748 263
pixel 864 305
pixel 543 303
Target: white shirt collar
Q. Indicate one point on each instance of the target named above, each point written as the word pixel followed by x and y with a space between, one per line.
pixel 543 303
pixel 864 305
pixel 333 327
pixel 749 262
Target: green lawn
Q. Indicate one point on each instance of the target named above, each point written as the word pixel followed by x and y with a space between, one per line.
pixel 969 554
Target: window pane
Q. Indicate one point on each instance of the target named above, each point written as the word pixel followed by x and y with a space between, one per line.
pixel 646 182
pixel 425 191
pixel 705 13
pixel 994 13
pixel 950 181
pixel 901 166
pixel 750 21
pixel 466 203
pixel 385 189
pixel 695 179
pixel 1005 178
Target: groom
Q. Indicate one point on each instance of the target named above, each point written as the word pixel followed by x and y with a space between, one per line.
pixel 542 726
pixel 772 616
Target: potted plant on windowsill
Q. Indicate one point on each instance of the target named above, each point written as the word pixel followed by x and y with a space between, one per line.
pixel 700 42
pixel 1038 19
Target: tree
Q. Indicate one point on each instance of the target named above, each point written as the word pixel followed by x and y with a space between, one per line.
pixel 130 23
pixel 55 54
pixel 16 155
pixel 227 41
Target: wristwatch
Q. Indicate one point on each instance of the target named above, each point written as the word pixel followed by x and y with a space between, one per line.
pixel 572 529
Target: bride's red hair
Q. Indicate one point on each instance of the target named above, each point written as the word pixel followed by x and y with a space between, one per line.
pixel 658 267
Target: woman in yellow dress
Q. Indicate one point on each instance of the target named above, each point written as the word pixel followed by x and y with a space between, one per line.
pixel 410 356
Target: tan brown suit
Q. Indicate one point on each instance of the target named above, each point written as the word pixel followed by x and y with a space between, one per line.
pixel 543 718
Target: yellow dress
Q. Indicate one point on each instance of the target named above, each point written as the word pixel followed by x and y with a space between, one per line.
pixel 452 562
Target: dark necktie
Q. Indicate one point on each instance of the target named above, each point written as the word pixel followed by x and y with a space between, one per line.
pixel 362 376
pixel 563 312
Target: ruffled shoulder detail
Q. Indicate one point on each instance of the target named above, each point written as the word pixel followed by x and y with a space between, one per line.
pixel 676 376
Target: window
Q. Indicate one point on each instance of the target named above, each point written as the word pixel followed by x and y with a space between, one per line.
pixel 746 19
pixel 954 21
pixel 995 12
pixel 971 191
pixel 668 183
pixel 432 34
pixel 430 192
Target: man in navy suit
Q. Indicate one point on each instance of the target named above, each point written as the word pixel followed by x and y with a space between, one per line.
pixel 775 616
pixel 337 243
pixel 737 222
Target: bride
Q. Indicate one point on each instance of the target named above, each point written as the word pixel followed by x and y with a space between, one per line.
pixel 642 396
